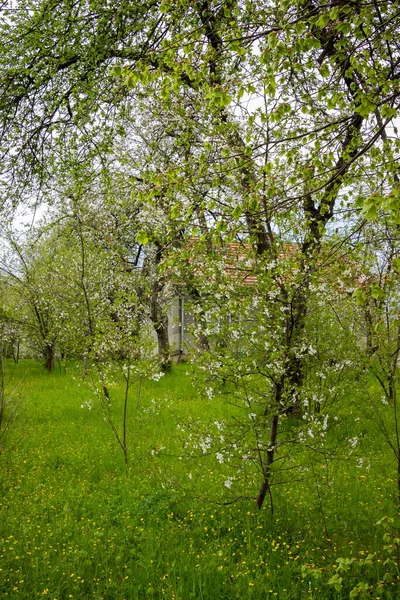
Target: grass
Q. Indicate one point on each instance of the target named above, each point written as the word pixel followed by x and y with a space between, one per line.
pixel 75 523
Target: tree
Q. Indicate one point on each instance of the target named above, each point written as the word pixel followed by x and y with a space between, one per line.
pixel 31 279
pixel 316 139
pixel 113 305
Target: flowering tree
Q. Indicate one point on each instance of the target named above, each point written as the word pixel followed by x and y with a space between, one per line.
pixel 249 327
pixel 281 117
pixel 32 286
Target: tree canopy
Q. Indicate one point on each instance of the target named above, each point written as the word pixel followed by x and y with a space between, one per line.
pixel 324 79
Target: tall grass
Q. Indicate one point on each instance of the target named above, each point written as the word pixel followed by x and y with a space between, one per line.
pixel 76 524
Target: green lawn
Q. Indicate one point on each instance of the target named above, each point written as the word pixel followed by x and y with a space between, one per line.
pixel 76 524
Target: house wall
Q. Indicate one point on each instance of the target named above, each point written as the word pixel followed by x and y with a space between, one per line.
pixel 174 326
pixel 179 323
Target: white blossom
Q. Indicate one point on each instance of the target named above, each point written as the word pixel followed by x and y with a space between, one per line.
pixel 87 404
pixel 219 457
pixel 205 444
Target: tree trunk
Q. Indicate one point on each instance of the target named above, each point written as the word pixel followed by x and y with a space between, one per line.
pixel 265 487
pixel 158 315
pixel 15 351
pixel 50 357
pixel 392 387
pixel 161 327
pixel 294 374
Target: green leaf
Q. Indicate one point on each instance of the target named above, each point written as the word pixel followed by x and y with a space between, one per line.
pixel 324 70
pixel 175 212
pixel 299 27
pixel 371 206
pixel 344 563
pixel 366 107
pixel 117 71
pixel 396 265
pixel 219 98
pixel 237 212
pixel 360 297
pixel 221 226
pixel 224 99
pixel 336 581
pixel 361 588
pixel 388 112
pixel 376 291
pixel 272 40
pixel 165 6
pixel 165 91
pixel 324 19
pixel 142 238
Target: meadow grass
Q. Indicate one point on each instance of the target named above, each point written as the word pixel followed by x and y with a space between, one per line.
pixel 75 523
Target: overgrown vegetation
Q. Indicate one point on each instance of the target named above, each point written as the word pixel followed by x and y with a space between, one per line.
pixel 76 524
pixel 240 159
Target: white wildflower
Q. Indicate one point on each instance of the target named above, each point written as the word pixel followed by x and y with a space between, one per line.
pixel 87 404
pixel 219 457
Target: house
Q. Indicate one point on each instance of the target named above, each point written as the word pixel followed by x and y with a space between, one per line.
pixel 234 266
